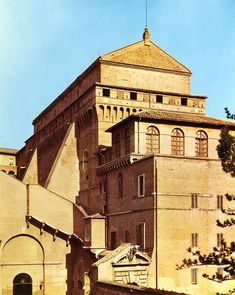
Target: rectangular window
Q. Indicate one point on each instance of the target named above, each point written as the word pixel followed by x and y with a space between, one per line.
pixel 219 239
pixel 127 236
pixel 133 95
pixel 194 237
pixel 141 185
pixel 159 98
pixel 113 240
pixel 219 202
pixel 194 276
pixel 105 186
pixel 194 201
pixel 106 92
pixel 87 232
pixel 184 101
pixel 140 235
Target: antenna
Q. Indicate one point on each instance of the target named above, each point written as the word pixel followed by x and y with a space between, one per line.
pixel 146 12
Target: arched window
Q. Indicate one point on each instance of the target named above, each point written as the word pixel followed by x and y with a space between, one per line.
pixel 121 112
pixel 120 185
pixel 118 146
pixel 101 111
pixel 127 141
pixel 22 284
pixel 201 144
pixel 115 113
pixel 177 142
pixel 152 140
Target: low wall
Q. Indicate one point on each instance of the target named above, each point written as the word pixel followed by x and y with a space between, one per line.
pixel 108 288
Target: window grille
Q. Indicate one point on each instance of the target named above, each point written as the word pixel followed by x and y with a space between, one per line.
pixel 177 142
pixel 201 144
pixel 152 140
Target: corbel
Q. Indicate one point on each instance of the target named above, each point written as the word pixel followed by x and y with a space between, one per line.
pixel 42 228
pixel 55 235
pixel 68 240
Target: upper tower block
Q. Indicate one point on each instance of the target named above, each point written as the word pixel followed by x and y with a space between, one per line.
pixel 144 65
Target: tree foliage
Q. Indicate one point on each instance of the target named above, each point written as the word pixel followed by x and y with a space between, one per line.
pixel 226 151
pixel 223 256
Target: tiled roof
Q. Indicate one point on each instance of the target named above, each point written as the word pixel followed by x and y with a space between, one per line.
pixel 183 117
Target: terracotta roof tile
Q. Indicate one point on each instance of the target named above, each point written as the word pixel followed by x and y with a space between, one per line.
pixel 183 117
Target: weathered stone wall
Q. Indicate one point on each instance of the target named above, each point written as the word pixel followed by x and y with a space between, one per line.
pixel 107 288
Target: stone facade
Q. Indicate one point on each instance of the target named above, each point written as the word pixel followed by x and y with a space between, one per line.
pixel 124 155
pixel 8 161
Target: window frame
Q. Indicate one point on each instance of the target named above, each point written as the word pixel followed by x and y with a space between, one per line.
pixel 184 101
pixel 220 201
pixel 133 95
pixel 106 92
pixel 141 183
pixel 113 244
pixel 159 98
pixel 201 144
pixel 141 235
pixel 177 142
pixel 152 138
pixel 194 201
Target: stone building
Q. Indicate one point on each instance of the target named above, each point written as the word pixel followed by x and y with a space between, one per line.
pixel 8 161
pixel 122 166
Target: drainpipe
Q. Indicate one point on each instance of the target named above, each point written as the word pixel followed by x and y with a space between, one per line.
pixel 138 143
pixel 155 219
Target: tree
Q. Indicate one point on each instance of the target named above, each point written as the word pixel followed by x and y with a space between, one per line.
pixel 223 256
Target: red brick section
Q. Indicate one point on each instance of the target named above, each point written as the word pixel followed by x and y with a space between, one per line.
pixel 105 288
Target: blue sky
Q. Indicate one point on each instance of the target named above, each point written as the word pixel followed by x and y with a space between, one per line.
pixel 46 44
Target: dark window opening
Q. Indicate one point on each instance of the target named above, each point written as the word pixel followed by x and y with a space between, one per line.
pixel 133 95
pixel 113 240
pixel 22 284
pixel 140 235
pixel 159 98
pixel 219 202
pixel 194 201
pixel 127 236
pixel 106 92
pixel 184 101
pixel 120 185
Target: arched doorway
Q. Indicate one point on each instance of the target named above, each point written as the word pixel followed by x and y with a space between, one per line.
pixel 22 284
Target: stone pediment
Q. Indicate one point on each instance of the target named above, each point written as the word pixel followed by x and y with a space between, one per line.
pixel 131 257
pixel 146 55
